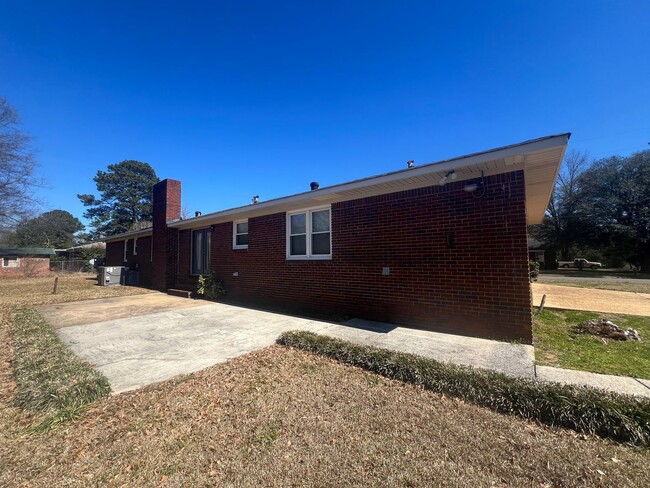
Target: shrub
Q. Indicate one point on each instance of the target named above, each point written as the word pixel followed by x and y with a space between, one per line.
pixel 534 270
pixel 210 287
pixel 587 410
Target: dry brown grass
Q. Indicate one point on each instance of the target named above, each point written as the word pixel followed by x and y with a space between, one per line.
pixel 72 287
pixel 282 417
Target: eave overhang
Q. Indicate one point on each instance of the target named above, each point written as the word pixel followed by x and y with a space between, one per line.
pixel 540 159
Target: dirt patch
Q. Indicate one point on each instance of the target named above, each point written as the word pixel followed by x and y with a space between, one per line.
pixel 606 329
pixel 607 301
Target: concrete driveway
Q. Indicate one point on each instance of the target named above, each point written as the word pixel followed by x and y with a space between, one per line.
pixel 164 337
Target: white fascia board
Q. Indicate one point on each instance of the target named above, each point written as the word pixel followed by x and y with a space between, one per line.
pixel 528 147
pixel 128 235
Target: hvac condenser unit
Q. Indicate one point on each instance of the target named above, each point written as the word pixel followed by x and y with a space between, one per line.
pixel 112 275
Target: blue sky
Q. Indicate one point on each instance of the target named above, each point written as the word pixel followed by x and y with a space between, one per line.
pixel 259 98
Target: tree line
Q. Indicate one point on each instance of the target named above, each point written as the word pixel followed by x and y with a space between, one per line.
pixel 600 210
pixel 124 202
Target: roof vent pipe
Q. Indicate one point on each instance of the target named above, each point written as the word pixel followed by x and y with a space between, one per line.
pixel 314 185
pixel 197 214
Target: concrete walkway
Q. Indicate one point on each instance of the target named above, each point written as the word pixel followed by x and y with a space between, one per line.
pixel 138 350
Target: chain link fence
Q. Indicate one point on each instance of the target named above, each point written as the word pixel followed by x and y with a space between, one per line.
pixel 72 266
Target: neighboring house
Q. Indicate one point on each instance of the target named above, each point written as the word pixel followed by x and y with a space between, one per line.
pixel 24 262
pixel 536 251
pixel 440 246
pixel 79 258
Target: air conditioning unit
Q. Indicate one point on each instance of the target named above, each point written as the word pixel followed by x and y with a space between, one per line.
pixel 112 275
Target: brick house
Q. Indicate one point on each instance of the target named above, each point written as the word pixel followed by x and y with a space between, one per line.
pixel 30 262
pixel 440 246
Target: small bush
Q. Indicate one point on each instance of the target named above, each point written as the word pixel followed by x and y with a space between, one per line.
pixel 587 410
pixel 49 377
pixel 534 270
pixel 210 287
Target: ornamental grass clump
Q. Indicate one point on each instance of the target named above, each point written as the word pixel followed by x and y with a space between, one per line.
pixel 49 377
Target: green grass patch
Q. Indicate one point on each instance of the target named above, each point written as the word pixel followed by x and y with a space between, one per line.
pixel 587 410
pixel 556 345
pixel 50 379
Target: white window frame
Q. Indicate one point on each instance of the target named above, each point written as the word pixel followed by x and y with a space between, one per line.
pixel 135 246
pixel 234 235
pixel 309 255
pixel 10 258
pixel 126 244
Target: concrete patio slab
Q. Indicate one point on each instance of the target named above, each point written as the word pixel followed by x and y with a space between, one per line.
pixel 141 347
pixel 510 358
pixel 644 382
pixel 93 311
pixel 145 348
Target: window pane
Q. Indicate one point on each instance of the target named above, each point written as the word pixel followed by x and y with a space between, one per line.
pixel 206 252
pixel 299 224
pixel 320 243
pixel 242 240
pixel 197 254
pixel 298 245
pixel 242 228
pixel 320 221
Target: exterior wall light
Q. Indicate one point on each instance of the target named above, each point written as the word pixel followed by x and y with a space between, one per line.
pixel 449 175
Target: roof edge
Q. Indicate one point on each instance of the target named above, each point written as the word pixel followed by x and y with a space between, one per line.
pixel 532 145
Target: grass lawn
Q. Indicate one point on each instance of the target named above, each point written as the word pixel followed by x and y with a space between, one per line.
pixel 72 287
pixel 556 345
pixel 284 417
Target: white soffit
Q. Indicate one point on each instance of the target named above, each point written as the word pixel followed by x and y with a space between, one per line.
pixel 129 235
pixel 540 159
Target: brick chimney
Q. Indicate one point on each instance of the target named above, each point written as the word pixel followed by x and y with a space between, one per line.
pixel 166 207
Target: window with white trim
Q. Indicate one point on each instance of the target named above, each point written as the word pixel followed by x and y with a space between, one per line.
pixel 240 234
pixel 201 252
pixel 11 262
pixel 309 234
pixel 126 242
pixel 135 246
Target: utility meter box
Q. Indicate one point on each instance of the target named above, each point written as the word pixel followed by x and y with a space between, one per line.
pixel 112 275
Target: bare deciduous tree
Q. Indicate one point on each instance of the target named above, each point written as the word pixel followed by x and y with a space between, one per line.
pixel 17 169
pixel 562 227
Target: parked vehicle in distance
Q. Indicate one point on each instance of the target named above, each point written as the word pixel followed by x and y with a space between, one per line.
pixel 579 263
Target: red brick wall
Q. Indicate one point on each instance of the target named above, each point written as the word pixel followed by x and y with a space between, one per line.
pixel 29 268
pixel 166 207
pixel 478 287
pixel 141 261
